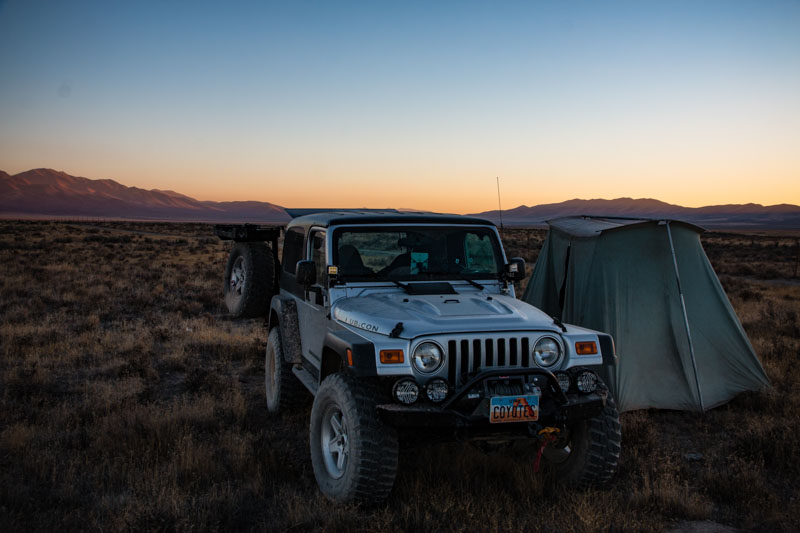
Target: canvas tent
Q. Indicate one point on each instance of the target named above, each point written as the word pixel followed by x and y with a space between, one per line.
pixel 650 285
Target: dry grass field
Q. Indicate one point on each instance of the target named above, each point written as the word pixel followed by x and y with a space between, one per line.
pixel 130 401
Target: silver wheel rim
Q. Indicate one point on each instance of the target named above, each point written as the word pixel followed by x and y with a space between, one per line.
pixel 237 276
pixel 335 442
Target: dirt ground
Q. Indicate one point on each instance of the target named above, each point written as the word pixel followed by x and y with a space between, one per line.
pixel 129 400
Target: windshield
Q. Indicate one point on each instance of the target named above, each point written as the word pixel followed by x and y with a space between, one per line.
pixel 417 254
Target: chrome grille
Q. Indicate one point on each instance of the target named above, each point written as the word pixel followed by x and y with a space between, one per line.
pixel 467 355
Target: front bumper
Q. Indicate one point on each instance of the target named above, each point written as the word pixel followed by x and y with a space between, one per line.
pixel 462 412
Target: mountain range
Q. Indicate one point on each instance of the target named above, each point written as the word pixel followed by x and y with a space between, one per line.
pixel 47 192
pixel 739 216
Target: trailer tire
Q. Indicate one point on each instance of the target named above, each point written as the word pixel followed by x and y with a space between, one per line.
pixel 249 279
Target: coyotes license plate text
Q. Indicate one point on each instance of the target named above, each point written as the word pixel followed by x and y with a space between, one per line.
pixel 514 409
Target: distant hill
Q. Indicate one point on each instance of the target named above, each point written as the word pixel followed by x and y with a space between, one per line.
pixel 44 191
pixel 47 192
pixel 738 216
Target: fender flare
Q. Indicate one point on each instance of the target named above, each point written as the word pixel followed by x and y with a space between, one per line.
pixel 361 360
pixel 285 310
pixel 607 349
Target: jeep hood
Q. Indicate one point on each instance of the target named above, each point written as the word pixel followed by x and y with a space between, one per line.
pixel 435 314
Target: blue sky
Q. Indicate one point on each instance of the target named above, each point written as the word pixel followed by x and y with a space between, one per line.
pixel 402 104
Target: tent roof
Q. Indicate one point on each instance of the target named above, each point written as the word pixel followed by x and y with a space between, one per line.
pixel 591 226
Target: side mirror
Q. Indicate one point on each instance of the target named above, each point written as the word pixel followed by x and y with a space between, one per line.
pixel 306 273
pixel 515 269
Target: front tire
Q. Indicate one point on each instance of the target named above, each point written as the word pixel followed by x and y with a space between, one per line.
pixel 353 453
pixel 283 389
pixel 589 456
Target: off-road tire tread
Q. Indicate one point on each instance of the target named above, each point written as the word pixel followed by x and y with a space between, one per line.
pixel 291 392
pixel 259 281
pixel 598 466
pixel 376 462
pixel 604 447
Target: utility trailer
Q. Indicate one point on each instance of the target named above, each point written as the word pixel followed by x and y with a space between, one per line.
pixel 251 274
pixel 249 233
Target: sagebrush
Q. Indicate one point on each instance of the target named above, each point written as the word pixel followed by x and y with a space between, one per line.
pixel 131 401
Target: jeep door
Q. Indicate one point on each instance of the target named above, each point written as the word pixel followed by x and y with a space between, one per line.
pixel 312 305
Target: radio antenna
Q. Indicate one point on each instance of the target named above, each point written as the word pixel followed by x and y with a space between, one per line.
pixel 499 207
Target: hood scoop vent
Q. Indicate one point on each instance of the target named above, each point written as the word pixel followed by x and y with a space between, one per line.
pixel 440 287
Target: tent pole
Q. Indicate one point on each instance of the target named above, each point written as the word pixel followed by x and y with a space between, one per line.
pixel 685 318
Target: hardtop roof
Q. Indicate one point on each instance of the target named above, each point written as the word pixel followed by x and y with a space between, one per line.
pixel 334 218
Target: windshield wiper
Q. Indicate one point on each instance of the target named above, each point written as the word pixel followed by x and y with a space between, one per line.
pixel 471 281
pixel 375 276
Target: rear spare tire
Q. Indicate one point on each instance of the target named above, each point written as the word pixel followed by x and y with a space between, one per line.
pixel 249 279
pixel 353 453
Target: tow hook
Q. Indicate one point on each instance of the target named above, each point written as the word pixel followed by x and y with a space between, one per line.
pixel 546 436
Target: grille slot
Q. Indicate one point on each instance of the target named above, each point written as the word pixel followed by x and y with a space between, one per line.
pixel 452 361
pixel 512 352
pixel 501 352
pixel 526 352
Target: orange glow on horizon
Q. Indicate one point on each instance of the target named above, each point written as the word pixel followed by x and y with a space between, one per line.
pixel 474 194
pixel 468 192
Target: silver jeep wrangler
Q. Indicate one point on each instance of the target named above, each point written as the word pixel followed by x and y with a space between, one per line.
pixel 406 326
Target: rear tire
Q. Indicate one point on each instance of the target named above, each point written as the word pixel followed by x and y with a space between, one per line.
pixel 590 454
pixel 353 453
pixel 249 279
pixel 283 389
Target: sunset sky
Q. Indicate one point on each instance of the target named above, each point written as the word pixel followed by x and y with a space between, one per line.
pixel 409 104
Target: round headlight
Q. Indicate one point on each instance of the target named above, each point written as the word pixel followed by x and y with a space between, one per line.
pixel 436 390
pixel 546 352
pixel 587 381
pixel 427 357
pixel 563 380
pixel 406 391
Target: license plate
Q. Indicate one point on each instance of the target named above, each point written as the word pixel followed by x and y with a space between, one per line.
pixel 514 409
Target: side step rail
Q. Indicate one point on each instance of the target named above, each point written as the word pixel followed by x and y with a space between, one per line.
pixel 306 379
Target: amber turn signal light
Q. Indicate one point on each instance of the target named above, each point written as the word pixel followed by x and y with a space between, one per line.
pixel 349 357
pixel 390 357
pixel 586 348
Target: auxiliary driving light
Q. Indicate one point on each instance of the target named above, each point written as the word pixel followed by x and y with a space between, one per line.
pixel 586 382
pixel 546 352
pixel 563 381
pixel 436 390
pixel 406 391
